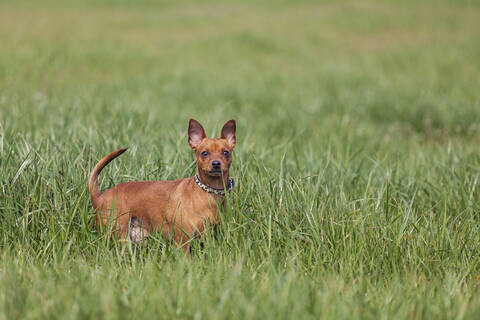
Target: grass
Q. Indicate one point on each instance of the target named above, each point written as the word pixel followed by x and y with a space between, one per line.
pixel 357 164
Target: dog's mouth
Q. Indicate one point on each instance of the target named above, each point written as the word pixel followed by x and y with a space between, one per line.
pixel 215 172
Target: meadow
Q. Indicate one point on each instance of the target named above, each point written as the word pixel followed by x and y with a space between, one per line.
pixel 357 163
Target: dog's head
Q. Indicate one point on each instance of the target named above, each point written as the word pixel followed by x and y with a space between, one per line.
pixel 214 156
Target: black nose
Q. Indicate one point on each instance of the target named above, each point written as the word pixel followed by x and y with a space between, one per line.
pixel 216 164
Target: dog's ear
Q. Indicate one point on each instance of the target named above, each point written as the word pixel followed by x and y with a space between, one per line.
pixel 195 133
pixel 228 133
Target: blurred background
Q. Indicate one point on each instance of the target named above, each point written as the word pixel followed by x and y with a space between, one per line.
pixel 381 67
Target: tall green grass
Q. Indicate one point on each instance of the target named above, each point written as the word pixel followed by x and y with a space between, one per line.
pixel 357 164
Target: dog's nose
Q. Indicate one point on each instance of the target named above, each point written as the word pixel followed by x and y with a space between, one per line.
pixel 216 164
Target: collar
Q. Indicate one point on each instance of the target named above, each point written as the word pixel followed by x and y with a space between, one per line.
pixel 220 192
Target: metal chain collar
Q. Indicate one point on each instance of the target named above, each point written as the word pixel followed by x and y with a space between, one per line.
pixel 220 192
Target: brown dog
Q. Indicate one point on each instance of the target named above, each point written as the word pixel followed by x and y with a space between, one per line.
pixel 179 209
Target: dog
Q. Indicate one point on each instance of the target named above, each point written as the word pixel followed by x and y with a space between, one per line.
pixel 179 209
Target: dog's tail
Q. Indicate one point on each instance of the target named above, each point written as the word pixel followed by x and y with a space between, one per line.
pixel 93 185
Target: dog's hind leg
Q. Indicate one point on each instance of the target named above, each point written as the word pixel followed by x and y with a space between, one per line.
pixel 137 232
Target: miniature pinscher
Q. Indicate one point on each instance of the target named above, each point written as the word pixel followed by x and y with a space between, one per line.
pixel 179 209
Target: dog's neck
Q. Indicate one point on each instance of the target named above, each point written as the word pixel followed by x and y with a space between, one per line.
pixel 216 182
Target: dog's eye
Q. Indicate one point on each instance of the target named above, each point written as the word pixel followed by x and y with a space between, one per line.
pixel 225 153
pixel 204 153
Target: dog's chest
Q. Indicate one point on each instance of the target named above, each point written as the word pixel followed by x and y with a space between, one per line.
pixel 206 207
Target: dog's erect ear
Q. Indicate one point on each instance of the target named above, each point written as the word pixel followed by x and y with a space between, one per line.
pixel 195 133
pixel 228 133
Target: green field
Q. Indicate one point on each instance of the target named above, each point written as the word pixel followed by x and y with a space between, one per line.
pixel 357 162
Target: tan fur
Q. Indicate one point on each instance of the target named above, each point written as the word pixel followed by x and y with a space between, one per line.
pixel 180 208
